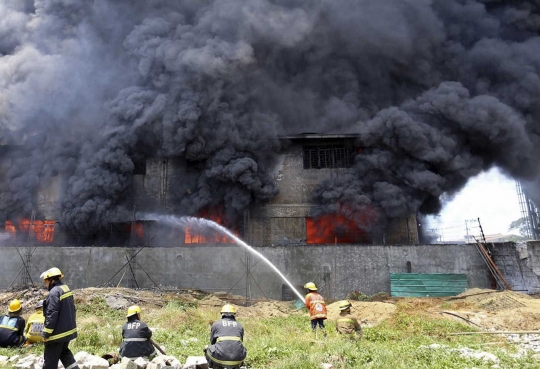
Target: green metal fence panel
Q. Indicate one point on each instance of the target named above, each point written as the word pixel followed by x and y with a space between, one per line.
pixel 432 285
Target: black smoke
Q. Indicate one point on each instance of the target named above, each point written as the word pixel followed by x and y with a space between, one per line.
pixel 437 92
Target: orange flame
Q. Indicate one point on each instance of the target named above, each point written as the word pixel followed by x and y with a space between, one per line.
pixel 328 228
pixel 193 235
pixel 10 227
pixel 138 229
pixel 43 230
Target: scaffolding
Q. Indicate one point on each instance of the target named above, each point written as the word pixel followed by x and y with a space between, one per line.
pixel 529 213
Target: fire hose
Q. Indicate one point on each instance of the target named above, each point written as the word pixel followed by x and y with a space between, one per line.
pixel 157 346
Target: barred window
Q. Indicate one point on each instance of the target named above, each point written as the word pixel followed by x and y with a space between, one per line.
pixel 316 157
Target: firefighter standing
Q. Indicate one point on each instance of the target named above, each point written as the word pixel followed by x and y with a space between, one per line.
pixel 226 348
pixel 316 305
pixel 12 326
pixel 60 326
pixel 346 323
pixel 136 336
pixel 34 326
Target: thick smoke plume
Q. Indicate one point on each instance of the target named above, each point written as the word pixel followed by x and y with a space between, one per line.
pixel 437 92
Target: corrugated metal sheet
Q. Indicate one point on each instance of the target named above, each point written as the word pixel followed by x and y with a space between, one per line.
pixel 433 285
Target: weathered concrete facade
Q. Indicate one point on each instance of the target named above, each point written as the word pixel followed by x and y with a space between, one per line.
pixel 519 264
pixel 337 270
pixel 304 163
pixel 283 220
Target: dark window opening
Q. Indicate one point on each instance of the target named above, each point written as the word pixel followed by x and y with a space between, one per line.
pixel 317 157
pixel 139 167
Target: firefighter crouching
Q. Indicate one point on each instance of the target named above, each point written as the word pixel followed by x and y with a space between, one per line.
pixel 226 348
pixel 12 326
pixel 34 325
pixel 136 336
pixel 60 326
pixel 346 323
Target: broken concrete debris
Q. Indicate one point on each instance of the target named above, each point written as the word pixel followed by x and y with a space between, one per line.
pixel 89 361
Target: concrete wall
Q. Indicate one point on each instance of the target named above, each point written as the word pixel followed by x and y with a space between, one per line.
pixel 337 270
pixel 519 264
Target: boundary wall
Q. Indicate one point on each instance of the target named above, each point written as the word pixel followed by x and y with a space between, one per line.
pixel 337 270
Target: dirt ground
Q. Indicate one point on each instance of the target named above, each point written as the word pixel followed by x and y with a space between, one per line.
pixel 494 310
pixel 484 309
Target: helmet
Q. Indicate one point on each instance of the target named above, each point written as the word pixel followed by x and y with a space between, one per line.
pixel 132 310
pixel 39 304
pixel 53 272
pixel 310 286
pixel 228 309
pixel 344 305
pixel 14 306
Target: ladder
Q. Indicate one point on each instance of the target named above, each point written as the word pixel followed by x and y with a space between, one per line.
pixel 499 278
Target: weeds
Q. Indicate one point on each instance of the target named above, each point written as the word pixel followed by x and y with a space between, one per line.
pixel 399 343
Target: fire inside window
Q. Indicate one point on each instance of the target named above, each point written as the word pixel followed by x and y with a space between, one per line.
pixel 194 235
pixel 42 230
pixel 331 228
pixel 205 235
pixel 317 157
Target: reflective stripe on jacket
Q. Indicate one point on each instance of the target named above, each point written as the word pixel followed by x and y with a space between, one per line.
pixel 226 338
pixel 136 335
pixel 59 312
pixel 316 305
pixel 34 327
pixel 11 330
pixel 347 323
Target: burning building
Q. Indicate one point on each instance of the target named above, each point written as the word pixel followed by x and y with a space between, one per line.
pixel 290 217
pixel 116 108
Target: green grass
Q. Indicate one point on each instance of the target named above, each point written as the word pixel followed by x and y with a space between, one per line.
pixel 183 330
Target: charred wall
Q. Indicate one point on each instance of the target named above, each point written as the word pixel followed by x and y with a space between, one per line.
pixel 302 165
pixel 283 219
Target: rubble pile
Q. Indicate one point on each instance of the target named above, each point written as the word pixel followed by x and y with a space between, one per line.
pixel 530 342
pixel 466 352
pixel 89 361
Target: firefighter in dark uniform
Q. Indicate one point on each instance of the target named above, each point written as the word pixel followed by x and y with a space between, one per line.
pixel 136 336
pixel 12 326
pixel 346 323
pixel 60 326
pixel 226 349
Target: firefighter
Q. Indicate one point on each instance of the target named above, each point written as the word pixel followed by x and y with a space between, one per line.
pixel 136 336
pixel 34 326
pixel 226 348
pixel 60 325
pixel 12 326
pixel 317 307
pixel 346 323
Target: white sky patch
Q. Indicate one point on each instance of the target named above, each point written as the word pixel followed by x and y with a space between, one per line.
pixel 490 196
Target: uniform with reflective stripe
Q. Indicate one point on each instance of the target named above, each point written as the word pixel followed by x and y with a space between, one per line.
pixel 346 323
pixel 226 347
pixel 60 317
pixel 136 335
pixel 34 327
pixel 316 305
pixel 11 330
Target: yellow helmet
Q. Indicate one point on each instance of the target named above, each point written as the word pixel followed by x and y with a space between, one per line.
pixel 132 310
pixel 228 309
pixel 14 306
pixel 344 305
pixel 53 272
pixel 310 286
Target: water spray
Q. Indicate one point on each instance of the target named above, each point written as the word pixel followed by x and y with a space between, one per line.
pixel 184 221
